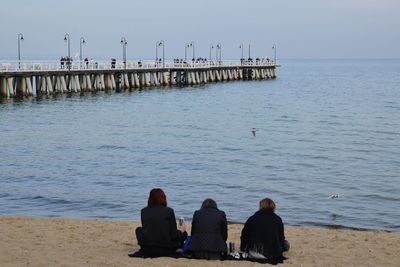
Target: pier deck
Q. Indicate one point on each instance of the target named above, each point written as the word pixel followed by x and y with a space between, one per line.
pixel 47 77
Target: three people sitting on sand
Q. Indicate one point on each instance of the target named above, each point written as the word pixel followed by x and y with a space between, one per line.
pixel 262 236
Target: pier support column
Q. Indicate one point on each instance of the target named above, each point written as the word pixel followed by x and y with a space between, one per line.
pixel 224 75
pixel 57 84
pixel 217 75
pixel 97 82
pixel 20 86
pixel 29 89
pixel 154 79
pixel 77 84
pixel 230 76
pixel 112 82
pixel 133 83
pixel 166 78
pixel 212 75
pixel 102 82
pixel 63 84
pixel 137 80
pixel 273 73
pixel 126 81
pixel 88 82
pixel 147 80
pixel 49 85
pixel 10 87
pixel 3 87
pixel 193 77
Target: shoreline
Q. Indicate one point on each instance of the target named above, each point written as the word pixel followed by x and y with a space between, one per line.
pixel 76 242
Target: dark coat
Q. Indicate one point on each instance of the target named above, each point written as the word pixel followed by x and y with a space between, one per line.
pixel 264 233
pixel 209 231
pixel 159 229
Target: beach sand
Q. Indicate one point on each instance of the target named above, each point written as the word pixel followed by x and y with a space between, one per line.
pixel 66 242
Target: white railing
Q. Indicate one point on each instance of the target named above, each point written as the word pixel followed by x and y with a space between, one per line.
pixel 32 66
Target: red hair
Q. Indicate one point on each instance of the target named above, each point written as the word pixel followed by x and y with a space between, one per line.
pixel 157 197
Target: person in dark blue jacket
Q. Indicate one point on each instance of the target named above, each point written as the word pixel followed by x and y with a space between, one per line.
pixel 263 234
pixel 209 232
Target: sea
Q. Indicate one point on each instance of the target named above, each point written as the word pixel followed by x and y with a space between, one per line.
pixel 326 148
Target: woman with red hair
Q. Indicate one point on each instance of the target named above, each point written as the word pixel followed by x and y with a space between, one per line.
pixel 159 235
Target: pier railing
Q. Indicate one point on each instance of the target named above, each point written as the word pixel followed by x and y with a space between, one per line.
pixel 31 66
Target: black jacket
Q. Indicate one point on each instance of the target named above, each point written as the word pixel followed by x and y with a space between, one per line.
pixel 159 228
pixel 209 231
pixel 264 233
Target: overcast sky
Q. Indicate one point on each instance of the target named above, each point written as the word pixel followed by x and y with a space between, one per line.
pixel 300 29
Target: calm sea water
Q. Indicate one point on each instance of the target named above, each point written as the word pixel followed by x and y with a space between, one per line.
pixel 324 127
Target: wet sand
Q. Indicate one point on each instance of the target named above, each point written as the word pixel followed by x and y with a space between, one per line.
pixel 65 242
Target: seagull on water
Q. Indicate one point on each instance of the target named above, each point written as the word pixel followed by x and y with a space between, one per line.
pixel 334 196
pixel 253 131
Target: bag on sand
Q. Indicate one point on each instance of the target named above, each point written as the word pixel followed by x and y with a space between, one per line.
pixel 186 243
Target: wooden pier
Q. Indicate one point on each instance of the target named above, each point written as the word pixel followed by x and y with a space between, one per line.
pixel 47 78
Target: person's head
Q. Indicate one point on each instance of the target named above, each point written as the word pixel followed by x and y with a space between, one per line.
pixel 209 203
pixel 157 197
pixel 267 204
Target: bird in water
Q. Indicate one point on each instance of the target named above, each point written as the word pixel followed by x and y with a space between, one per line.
pixel 334 196
pixel 253 131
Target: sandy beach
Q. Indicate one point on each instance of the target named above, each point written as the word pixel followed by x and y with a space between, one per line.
pixel 66 242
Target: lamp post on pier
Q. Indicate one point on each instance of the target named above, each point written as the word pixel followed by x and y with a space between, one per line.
pixel 274 48
pixel 193 51
pixel 186 47
pixel 218 52
pixel 124 43
pixel 20 39
pixel 211 48
pixel 156 53
pixel 242 48
pixel 249 51
pixel 160 43
pixel 67 39
pixel 82 41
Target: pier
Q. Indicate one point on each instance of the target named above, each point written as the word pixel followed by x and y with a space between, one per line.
pixel 20 78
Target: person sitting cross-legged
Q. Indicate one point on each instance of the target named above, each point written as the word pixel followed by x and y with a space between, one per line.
pixel 159 235
pixel 263 234
pixel 209 232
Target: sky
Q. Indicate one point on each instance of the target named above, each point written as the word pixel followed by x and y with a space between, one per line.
pixel 305 29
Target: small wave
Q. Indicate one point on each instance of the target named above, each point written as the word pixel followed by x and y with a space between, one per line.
pixel 106 205
pixel 111 147
pixel 4 195
pixel 47 200
pixel 230 149
pixel 335 226
pixel 381 197
pixel 386 133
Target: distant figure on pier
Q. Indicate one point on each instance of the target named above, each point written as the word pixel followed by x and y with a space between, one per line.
pixel 159 235
pixel 113 62
pixel 263 234
pixel 62 60
pixel 87 62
